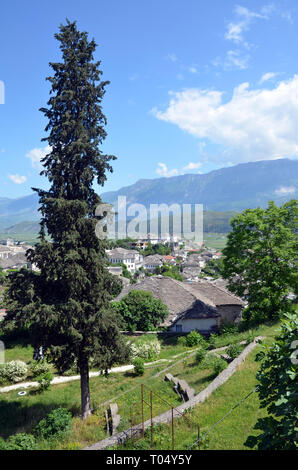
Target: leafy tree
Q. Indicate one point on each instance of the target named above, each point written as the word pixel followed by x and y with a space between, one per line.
pixel 277 390
pixel 260 259
pixel 141 311
pixel 157 248
pixel 168 270
pixel 65 306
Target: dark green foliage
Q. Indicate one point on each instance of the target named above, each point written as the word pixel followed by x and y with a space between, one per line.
pixel 139 367
pixel 141 311
pixel 39 367
pixel 158 248
pixel 21 441
pixel 260 260
pixel 234 350
pixel 200 355
pixel 277 389
pixel 44 380
pixel 194 339
pixel 55 424
pixel 170 271
pixel 64 305
pixel 214 268
pixel 218 365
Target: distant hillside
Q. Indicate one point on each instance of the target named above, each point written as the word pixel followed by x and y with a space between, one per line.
pixel 13 211
pixel 228 189
pixel 221 191
pixel 22 227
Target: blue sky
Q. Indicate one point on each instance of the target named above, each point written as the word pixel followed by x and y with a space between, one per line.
pixel 195 86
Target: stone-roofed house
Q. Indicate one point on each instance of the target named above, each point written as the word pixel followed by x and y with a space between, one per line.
pixel 17 261
pixel 5 252
pixel 151 262
pixel 192 306
pixel 131 258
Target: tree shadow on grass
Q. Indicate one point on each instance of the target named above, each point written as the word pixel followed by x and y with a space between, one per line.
pixel 16 416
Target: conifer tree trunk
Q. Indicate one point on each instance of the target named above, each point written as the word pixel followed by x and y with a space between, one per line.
pixel 85 390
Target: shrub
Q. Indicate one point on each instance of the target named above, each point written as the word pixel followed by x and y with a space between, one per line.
pixel 44 381
pixel 228 328
pixel 14 371
pixel 200 355
pixel 194 339
pixel 39 367
pixel 139 368
pixel 20 441
pixel 145 350
pixel 219 365
pixel 234 350
pixel 212 340
pixel 55 424
pixel 182 340
pixel 3 444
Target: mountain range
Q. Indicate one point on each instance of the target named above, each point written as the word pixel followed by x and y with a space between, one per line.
pixel 233 189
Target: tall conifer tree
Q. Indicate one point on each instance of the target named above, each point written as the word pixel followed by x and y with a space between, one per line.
pixel 66 305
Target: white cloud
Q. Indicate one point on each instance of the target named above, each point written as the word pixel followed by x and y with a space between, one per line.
pixel 253 125
pixel 267 76
pixel 285 190
pixel 36 155
pixel 17 179
pixel 236 59
pixel 192 69
pixel 235 30
pixel 162 170
pixel 192 166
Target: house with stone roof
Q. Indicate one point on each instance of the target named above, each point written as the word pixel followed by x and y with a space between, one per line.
pixel 131 258
pixel 16 261
pixel 151 262
pixel 197 306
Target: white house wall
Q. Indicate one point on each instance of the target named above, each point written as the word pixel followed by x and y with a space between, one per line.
pixel 202 324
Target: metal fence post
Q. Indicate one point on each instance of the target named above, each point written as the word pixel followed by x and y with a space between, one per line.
pixel 151 415
pixel 173 438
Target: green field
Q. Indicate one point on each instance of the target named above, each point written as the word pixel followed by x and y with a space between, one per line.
pixel 215 240
pixel 20 414
pixel 30 238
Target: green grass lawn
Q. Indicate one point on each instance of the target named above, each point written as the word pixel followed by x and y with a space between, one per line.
pixel 21 414
pixel 233 431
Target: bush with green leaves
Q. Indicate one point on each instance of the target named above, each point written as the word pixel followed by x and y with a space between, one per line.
pixel 218 365
pixel 145 349
pixel 181 340
pixel 39 367
pixel 229 328
pixel 55 424
pixel 200 355
pixel 44 381
pixel 21 441
pixel 234 350
pixel 195 339
pixel 140 310
pixel 13 371
pixel 277 389
pixel 139 367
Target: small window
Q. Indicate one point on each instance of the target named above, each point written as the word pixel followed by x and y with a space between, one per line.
pixel 178 328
